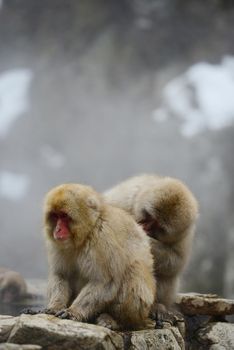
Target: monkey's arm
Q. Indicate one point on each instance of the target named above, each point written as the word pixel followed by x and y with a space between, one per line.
pixel 167 259
pixel 58 293
pixel 90 301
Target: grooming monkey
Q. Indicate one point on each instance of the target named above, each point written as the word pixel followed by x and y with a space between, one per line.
pixel 100 263
pixel 167 211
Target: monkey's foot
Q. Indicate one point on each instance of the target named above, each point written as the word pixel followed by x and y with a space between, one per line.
pixel 158 314
pixel 173 317
pixel 167 317
pixel 162 315
pixel 105 320
pixel 69 315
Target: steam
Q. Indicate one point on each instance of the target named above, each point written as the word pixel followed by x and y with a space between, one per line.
pixel 14 100
pixel 13 186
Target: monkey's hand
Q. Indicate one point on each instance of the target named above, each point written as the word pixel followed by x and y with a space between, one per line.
pixel 35 311
pixel 70 314
pixel 30 311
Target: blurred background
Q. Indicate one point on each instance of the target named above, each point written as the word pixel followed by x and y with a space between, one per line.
pixel 94 91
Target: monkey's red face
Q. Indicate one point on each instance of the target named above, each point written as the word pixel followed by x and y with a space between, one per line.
pixel 61 230
pixel 70 213
pixel 150 225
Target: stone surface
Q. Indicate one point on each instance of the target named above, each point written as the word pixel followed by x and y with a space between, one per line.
pixel 198 329
pixel 10 346
pixel 49 331
pixel 204 304
pixel 161 339
pixel 216 336
pixel 6 325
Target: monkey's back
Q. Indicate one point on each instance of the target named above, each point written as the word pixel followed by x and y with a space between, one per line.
pixel 128 234
pixel 124 194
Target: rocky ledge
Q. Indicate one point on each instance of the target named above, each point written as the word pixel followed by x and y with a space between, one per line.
pixel 196 329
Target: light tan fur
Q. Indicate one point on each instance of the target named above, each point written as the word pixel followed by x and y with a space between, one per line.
pixel 12 286
pixel 173 206
pixel 105 266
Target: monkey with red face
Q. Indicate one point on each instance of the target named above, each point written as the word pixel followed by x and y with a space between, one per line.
pixel 100 263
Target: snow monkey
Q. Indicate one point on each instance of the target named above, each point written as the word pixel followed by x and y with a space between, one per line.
pixel 12 286
pixel 167 211
pixel 95 269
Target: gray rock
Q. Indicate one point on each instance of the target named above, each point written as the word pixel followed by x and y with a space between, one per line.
pixel 6 325
pixel 216 336
pixel 10 346
pixel 161 339
pixel 204 304
pixel 49 331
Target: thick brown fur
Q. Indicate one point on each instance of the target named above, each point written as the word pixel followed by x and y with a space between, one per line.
pixel 105 266
pixel 12 286
pixel 169 210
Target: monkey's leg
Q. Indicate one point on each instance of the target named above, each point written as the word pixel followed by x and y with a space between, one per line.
pixel 134 303
pixel 58 295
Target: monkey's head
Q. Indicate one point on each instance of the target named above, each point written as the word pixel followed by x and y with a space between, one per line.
pixel 166 211
pixel 71 211
pixel 12 287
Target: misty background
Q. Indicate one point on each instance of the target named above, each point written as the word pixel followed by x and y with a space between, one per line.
pixel 94 91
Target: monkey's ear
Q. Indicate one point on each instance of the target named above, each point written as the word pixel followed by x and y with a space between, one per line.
pixel 93 203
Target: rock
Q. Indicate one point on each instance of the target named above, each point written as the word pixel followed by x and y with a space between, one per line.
pixel 216 336
pixel 161 339
pixel 204 304
pixel 197 329
pixel 6 325
pixel 50 332
pixel 10 346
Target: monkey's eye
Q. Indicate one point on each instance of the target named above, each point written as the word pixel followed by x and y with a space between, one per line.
pixel 63 215
pixel 53 216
